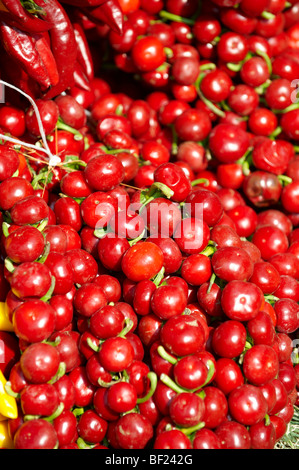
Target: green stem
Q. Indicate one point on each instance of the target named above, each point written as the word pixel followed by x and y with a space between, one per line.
pixel 207 102
pixel 56 413
pixel 171 384
pixel 212 280
pixel 192 429
pixel 137 239
pixel 5 229
pixel 128 326
pixel 153 381
pixel 172 17
pixel 83 445
pixel 48 295
pixel 60 373
pixel 209 250
pixel 234 67
pixel 9 390
pixel 65 127
pixel 9 265
pixel 45 254
pixel 287 109
pixel 266 58
pixel 284 180
pixel 158 278
pixel 204 181
pixel 267 15
pixel 275 133
pixel 208 66
pixel 166 356
pixel 211 371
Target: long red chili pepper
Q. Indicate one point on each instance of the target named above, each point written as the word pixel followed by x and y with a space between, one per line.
pixel 80 79
pixel 84 56
pixel 21 46
pixel 84 3
pixel 109 13
pixel 14 14
pixel 63 44
pixel 44 50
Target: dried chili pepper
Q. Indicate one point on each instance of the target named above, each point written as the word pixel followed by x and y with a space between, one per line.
pixel 84 3
pixel 14 14
pixel 63 45
pixel 22 47
pixel 109 13
pixel 84 56
pixel 80 79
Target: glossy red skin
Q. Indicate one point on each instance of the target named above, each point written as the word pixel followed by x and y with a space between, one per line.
pixel 210 301
pixel 121 397
pixel 196 269
pixel 56 237
pixel 24 244
pixel 192 235
pixel 74 185
pixel 106 322
pixel 101 407
pixel 66 392
pixel 287 312
pixel 261 329
pixel 193 124
pixel 262 436
pixel 233 435
pixel 168 301
pixel 149 329
pixel 228 375
pixel 241 300
pixel 91 427
pixel 265 276
pixel 148 53
pixel 281 396
pixel 96 371
pixel 84 266
pixel 29 210
pixel 190 372
pixel 61 269
pixel 263 189
pixel 186 409
pixel 287 376
pixel 245 220
pixel 286 264
pixel 181 337
pixel 206 439
pixel 142 297
pixel 111 250
pixel 137 431
pixel 67 212
pixel 142 261
pixel 39 399
pixel 288 288
pixel 36 434
pixel 34 321
pixel 65 426
pixel 116 354
pixel 68 349
pixel 216 407
pixel 212 208
pixel 30 279
pixel 247 404
pixel 229 338
pixel 14 189
pixel 231 263
pixel 161 216
pixel 228 143
pixel 39 362
pixel 84 390
pixel 89 298
pixel 173 439
pixel 260 364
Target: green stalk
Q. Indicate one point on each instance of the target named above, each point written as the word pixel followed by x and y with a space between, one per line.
pixel 207 102
pixel 172 17
pixel 153 381
pixel 166 356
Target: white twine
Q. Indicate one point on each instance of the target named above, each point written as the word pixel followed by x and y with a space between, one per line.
pixel 53 159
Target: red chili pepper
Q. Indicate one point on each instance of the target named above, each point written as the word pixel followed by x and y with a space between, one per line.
pixel 13 13
pixel 22 47
pixel 84 3
pixel 80 78
pixel 109 13
pixel 12 73
pixel 84 56
pixel 63 44
pixel 48 59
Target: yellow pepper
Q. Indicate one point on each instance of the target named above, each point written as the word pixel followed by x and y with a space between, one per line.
pixel 5 440
pixel 8 404
pixel 5 323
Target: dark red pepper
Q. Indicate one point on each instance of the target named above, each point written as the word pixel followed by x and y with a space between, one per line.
pixel 80 79
pixel 63 44
pixel 109 13
pixel 22 47
pixel 84 3
pixel 84 56
pixel 14 14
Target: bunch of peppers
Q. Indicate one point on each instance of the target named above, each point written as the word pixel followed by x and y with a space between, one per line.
pixel 43 43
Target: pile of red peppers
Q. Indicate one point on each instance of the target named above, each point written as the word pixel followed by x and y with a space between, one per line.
pixel 44 47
